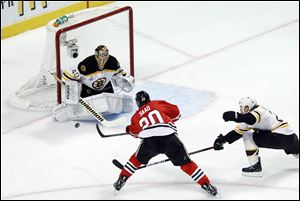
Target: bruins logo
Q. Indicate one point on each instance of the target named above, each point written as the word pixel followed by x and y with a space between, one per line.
pixel 99 84
pixel 83 68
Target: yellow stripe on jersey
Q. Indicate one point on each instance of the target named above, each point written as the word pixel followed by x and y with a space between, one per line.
pixel 68 76
pixel 257 116
pixel 98 71
pixel 280 125
pixel 94 73
pixel 110 71
pixel 241 131
pixel 105 70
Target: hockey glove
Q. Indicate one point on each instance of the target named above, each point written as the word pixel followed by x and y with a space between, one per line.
pixel 127 131
pixel 230 116
pixel 218 144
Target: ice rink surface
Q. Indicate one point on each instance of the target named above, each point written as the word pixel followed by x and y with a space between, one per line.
pixel 203 56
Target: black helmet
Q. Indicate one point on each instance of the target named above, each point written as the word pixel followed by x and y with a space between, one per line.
pixel 141 98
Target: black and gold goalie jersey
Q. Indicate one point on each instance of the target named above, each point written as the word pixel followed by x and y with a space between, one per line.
pixel 94 79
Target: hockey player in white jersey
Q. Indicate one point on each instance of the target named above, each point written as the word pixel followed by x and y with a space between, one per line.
pixel 95 79
pixel 258 127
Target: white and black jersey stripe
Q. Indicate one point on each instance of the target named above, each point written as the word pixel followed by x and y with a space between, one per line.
pixel 170 125
pixel 197 174
pixel 130 167
pixel 161 129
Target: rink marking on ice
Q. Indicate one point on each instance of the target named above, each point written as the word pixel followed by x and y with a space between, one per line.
pixel 24 125
pixel 164 44
pixel 55 190
pixel 147 184
pixel 194 59
pixel 258 186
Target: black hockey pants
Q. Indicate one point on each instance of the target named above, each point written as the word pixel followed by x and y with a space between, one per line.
pixel 169 145
pixel 267 139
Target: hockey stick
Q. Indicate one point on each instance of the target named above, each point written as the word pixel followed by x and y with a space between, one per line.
pixel 97 116
pixel 120 166
pixel 112 135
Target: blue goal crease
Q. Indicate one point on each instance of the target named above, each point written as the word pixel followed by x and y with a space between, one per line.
pixel 190 101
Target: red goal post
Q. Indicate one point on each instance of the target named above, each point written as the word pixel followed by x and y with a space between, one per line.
pixel 83 31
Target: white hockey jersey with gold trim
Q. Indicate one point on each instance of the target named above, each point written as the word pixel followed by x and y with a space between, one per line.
pixel 265 120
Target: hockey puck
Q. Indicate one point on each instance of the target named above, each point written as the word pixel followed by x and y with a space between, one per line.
pixel 77 125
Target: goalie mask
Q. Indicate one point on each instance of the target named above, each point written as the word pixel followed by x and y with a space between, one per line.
pixel 142 98
pixel 247 104
pixel 101 55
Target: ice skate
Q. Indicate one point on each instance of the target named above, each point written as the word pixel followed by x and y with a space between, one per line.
pixel 210 189
pixel 120 182
pixel 254 170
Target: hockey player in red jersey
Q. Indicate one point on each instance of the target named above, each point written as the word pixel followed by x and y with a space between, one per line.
pixel 153 122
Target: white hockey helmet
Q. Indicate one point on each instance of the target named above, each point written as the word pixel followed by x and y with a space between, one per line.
pixel 247 104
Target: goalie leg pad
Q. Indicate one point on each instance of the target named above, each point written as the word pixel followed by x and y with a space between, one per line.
pixel 71 93
pixel 63 112
pixel 119 103
pixel 110 103
pixel 127 104
pixel 105 102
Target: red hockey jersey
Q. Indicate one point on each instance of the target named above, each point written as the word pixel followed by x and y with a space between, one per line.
pixel 155 118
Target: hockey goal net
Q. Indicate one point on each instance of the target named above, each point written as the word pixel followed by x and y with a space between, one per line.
pixel 71 39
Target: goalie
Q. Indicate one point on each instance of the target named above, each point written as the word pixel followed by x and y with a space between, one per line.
pixel 95 79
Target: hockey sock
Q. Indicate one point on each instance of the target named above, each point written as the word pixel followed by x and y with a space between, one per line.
pixel 252 156
pixel 131 166
pixel 195 172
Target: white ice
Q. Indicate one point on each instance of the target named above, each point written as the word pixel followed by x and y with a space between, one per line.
pixel 227 49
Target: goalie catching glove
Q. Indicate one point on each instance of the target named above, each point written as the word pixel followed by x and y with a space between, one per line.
pixel 123 80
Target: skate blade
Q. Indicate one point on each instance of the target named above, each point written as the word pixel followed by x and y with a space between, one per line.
pixel 115 193
pixel 218 196
pixel 252 174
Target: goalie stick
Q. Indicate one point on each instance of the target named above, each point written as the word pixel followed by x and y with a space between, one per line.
pixel 95 114
pixel 112 135
pixel 120 166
